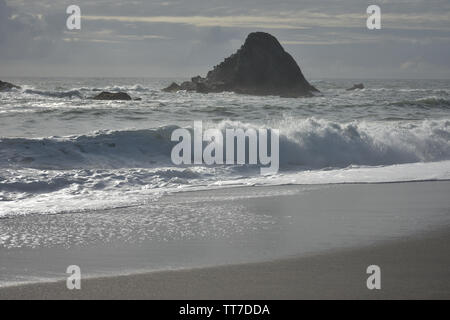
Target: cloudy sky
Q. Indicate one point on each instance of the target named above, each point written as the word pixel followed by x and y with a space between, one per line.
pixel 152 38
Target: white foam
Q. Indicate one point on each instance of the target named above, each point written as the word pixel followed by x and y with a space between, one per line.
pixel 309 143
pixel 47 192
pixel 431 171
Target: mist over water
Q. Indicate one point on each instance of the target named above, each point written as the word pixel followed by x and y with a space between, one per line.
pixel 62 152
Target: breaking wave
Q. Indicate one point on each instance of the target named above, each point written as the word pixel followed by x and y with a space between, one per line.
pixel 430 102
pixel 110 169
pixel 308 143
pixel 84 92
pixel 56 94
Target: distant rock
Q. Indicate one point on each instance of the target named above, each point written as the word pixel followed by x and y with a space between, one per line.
pixel 112 96
pixel 172 88
pixel 6 86
pixel 259 67
pixel 356 86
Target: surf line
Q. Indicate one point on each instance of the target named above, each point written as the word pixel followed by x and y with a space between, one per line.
pixel 239 146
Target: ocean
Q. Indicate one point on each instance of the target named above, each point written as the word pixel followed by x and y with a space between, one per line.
pixel 62 152
pixel 92 183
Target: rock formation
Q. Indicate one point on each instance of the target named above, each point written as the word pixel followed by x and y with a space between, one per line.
pixel 112 96
pixel 356 86
pixel 6 86
pixel 259 67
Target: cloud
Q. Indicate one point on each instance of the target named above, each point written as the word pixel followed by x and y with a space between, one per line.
pixel 183 38
pixel 201 21
pixel 24 35
pixel 293 20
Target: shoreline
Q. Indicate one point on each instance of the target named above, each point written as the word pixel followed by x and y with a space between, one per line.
pixel 416 267
pixel 284 242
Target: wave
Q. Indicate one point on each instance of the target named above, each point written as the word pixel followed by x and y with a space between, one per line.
pixel 309 144
pixel 82 92
pixel 56 94
pixel 115 88
pixel 111 169
pixel 429 102
pixel 33 181
pixel 30 191
pixel 102 149
pixel 315 143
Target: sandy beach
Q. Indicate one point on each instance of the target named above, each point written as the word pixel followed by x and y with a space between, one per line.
pixel 415 268
pixel 317 245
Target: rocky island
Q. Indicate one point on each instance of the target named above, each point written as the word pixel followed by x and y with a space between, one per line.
pixel 6 86
pixel 112 96
pixel 259 67
pixel 359 86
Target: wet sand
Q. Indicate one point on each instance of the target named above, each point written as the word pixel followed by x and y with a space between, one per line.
pixel 319 246
pixel 415 268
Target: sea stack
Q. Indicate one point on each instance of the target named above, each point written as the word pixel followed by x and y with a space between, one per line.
pixel 259 67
